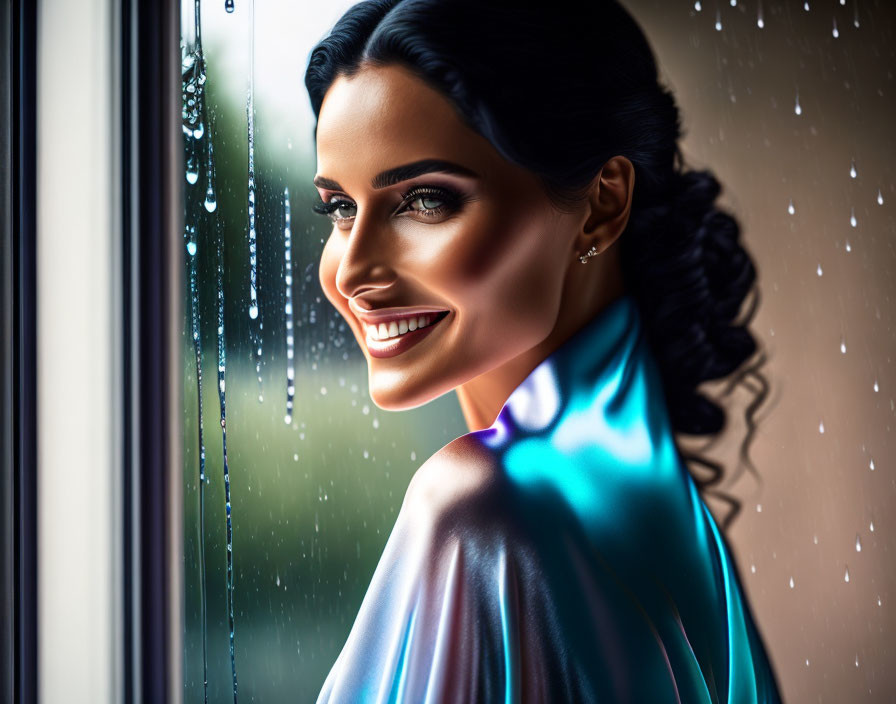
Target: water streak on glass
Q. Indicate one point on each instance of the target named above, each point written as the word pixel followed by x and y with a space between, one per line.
pixel 190 237
pixel 193 77
pixel 287 309
pixel 256 334
pixel 211 201
pixel 222 368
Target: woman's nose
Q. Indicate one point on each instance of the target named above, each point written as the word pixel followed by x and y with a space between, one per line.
pixel 367 261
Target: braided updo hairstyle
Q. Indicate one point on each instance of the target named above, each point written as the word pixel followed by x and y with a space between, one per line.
pixel 559 88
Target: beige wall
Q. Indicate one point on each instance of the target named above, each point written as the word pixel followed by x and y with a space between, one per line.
pixel 737 88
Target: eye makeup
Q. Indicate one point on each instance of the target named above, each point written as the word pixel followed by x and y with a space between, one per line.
pixel 448 199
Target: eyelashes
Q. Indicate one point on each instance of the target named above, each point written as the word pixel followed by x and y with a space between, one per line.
pixel 449 201
pixel 328 208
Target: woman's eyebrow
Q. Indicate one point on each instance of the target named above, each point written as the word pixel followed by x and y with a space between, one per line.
pixel 404 172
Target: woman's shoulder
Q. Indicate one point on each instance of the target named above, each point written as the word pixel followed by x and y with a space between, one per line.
pixel 465 490
pixel 460 475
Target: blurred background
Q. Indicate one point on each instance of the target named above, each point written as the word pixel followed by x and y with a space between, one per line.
pixel 791 104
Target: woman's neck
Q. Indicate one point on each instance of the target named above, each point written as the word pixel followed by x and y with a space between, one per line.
pixel 587 291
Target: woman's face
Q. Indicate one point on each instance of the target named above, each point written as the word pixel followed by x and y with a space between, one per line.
pixel 428 216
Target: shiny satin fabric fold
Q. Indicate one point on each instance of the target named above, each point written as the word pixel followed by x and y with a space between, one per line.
pixel 586 569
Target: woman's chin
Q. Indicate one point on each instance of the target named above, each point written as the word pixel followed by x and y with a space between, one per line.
pixel 393 391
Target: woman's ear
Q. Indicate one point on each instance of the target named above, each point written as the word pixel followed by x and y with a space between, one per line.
pixel 609 205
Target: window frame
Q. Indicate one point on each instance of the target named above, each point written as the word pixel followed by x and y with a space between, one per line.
pixel 141 44
pixel 18 439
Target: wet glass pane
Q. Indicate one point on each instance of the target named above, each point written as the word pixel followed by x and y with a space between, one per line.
pixel 790 104
pixel 313 498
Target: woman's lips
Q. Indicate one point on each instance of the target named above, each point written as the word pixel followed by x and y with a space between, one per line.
pixel 400 333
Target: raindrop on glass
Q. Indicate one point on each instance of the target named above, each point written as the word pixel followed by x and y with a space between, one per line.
pixel 698 6
pixel 858 543
pixel 211 203
pixel 821 427
pixel 871 526
pixel 797 109
pixel 843 346
pixel 880 197
pixel 718 21
pixel 871 465
pixel 790 208
pixel 228 5
pixel 807 662
pixel 835 32
pixel 857 660
pixel 876 386
pixel 846 574
pixel 753 569
pixel 806 6
pixel 848 246
pixel 791 582
pixel 818 271
pixel 815 539
pixel 278 580
pixel 733 3
pixel 852 217
pixel 852 169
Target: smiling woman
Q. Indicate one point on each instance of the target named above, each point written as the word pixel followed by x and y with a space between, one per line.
pixel 453 228
pixel 468 174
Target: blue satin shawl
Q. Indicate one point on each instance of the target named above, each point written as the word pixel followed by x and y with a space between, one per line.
pixel 586 568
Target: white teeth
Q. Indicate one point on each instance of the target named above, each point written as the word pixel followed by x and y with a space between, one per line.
pixel 396 328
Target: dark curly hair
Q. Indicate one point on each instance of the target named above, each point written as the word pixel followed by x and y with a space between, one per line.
pixel 559 88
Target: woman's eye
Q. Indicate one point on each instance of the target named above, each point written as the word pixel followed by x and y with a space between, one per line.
pixel 432 202
pixel 427 203
pixel 336 210
pixel 344 209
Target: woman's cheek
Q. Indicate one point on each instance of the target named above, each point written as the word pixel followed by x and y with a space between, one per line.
pixel 473 249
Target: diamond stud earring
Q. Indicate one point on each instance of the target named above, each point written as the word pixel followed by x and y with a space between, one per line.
pixel 590 253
